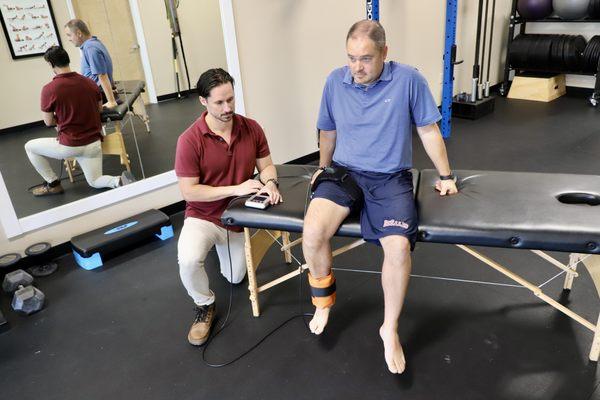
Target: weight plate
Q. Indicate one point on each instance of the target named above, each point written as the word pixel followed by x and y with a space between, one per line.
pixel 9 259
pixel 37 249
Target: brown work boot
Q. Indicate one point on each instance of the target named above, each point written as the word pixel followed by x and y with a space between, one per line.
pixel 200 329
pixel 46 189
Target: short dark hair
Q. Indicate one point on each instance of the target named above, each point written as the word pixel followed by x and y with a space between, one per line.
pixel 57 57
pixel 369 28
pixel 211 79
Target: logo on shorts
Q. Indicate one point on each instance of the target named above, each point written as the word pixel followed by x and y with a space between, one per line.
pixel 393 222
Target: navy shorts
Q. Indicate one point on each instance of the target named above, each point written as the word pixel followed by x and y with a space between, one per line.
pixel 388 204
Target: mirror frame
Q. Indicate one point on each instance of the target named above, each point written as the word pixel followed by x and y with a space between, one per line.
pixel 14 226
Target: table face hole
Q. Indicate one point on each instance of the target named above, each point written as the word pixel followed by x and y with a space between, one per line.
pixel 590 199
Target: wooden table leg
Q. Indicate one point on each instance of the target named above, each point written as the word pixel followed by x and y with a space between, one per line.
pixel 114 144
pixel 256 247
pixel 252 287
pixel 574 259
pixel 288 252
pixel 139 110
pixel 595 350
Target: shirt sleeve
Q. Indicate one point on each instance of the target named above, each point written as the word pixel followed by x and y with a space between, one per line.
pixel 48 99
pixel 326 121
pixel 97 61
pixel 187 158
pixel 262 146
pixel 423 109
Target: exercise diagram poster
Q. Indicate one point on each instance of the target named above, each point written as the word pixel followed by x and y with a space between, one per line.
pixel 29 27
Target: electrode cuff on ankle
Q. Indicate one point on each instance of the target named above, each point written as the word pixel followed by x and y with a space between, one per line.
pixel 322 290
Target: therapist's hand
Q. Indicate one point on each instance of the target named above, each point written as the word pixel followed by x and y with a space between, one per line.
pixel 273 192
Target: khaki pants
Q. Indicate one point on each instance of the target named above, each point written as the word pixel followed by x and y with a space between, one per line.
pixel 89 158
pixel 197 237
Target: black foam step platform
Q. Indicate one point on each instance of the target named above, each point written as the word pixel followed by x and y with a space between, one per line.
pixel 90 247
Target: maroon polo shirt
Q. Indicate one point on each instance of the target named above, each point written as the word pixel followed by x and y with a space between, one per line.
pixel 201 153
pixel 74 99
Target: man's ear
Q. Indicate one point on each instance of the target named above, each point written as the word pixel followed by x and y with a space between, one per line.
pixel 203 101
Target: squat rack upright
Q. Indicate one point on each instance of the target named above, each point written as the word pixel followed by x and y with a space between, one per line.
pixel 372 9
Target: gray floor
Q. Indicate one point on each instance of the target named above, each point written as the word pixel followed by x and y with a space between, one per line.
pixel 168 120
pixel 120 331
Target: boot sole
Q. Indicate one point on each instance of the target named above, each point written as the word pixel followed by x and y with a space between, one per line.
pixel 197 342
pixel 48 194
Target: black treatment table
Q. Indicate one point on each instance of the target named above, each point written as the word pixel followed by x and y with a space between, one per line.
pixel 534 211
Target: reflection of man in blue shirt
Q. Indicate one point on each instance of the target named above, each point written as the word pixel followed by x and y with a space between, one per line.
pixel 96 63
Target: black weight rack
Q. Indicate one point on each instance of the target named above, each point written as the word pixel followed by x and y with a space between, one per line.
pixel 520 23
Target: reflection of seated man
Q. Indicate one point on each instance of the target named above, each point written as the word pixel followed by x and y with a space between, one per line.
pixel 72 103
pixel 215 160
pixel 96 63
pixel 367 111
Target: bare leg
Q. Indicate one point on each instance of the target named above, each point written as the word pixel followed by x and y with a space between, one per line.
pixel 320 224
pixel 394 279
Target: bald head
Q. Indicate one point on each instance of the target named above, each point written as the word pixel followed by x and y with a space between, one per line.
pixel 370 29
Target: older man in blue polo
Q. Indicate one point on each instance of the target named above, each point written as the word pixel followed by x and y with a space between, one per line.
pixel 365 121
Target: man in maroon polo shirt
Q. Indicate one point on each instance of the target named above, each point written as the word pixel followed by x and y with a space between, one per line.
pixel 72 103
pixel 215 161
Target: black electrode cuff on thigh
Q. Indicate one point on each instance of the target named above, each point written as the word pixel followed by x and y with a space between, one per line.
pixel 339 175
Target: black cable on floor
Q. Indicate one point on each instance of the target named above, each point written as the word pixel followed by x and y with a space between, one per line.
pixel 302 314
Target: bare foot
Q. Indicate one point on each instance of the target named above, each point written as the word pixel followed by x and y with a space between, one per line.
pixel 394 356
pixel 319 320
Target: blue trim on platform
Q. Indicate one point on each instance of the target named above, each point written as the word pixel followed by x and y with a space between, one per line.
pixel 166 232
pixel 120 228
pixel 91 262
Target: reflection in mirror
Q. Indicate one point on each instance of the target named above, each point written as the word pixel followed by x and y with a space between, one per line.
pixel 137 136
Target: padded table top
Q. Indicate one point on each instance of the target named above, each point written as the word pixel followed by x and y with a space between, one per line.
pixel 128 91
pixel 499 209
pixel 511 209
pixel 294 182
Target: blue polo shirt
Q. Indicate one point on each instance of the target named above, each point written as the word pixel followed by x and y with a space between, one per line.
pixel 95 60
pixel 374 122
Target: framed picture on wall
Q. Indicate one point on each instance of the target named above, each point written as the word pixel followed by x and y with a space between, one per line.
pixel 29 27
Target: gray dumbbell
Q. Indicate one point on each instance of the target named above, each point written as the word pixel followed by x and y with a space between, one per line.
pixel 28 300
pixel 13 279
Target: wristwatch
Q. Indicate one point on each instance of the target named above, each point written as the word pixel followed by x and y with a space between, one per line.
pixel 447 177
pixel 274 181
